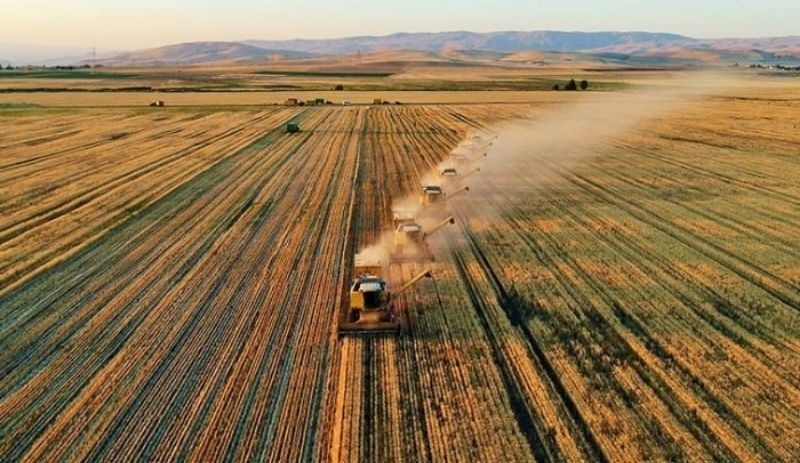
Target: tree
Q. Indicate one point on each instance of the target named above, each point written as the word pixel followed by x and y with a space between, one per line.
pixel 571 85
pixel 556 87
pixel 339 87
pixel 584 84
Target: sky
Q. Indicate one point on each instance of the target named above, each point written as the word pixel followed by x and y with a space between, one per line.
pixel 129 24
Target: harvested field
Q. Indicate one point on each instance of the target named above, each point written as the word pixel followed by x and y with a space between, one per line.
pixel 142 99
pixel 170 284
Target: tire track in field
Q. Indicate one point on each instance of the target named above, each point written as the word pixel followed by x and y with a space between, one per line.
pixel 566 176
pixel 686 290
pixel 592 446
pixel 766 191
pixel 582 301
pixel 770 283
pixel 719 218
pixel 627 320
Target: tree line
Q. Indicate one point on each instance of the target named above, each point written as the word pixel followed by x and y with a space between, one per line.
pixel 9 67
pixel 572 85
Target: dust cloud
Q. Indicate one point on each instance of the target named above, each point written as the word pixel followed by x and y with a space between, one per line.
pixel 376 254
pixel 516 154
pixel 581 130
pixel 526 154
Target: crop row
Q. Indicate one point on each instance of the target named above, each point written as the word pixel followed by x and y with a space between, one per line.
pixel 673 342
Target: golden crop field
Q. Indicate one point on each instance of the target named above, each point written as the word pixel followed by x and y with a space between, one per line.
pixel 171 282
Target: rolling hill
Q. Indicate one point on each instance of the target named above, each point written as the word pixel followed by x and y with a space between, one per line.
pixel 199 53
pixel 462 40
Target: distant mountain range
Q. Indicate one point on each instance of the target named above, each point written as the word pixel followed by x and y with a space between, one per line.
pixel 491 41
pixel 638 43
pixel 655 47
pixel 200 52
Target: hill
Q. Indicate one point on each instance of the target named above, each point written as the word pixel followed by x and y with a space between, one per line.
pixel 200 52
pixel 494 41
pixel 721 50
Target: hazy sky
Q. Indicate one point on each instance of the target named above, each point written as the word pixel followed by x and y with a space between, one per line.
pixel 143 23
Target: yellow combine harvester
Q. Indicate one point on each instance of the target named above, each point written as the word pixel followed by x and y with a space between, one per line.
pixel 434 194
pixel 448 172
pixel 401 216
pixel 431 194
pixel 369 310
pixel 459 159
pixel 410 242
pixel 407 237
pixel 462 160
pixel 434 201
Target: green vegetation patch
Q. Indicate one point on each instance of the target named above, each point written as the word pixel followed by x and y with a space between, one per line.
pixel 326 73
pixel 64 74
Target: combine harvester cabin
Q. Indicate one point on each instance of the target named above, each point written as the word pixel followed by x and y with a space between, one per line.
pixel 431 194
pixel 448 172
pixel 370 309
pixel 434 201
pixel 462 160
pixel 459 159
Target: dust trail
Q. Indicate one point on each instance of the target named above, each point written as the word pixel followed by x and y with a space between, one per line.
pixel 375 254
pixel 532 150
pixel 513 155
pixel 581 130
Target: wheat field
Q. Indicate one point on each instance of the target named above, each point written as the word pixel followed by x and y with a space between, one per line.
pixel 170 282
